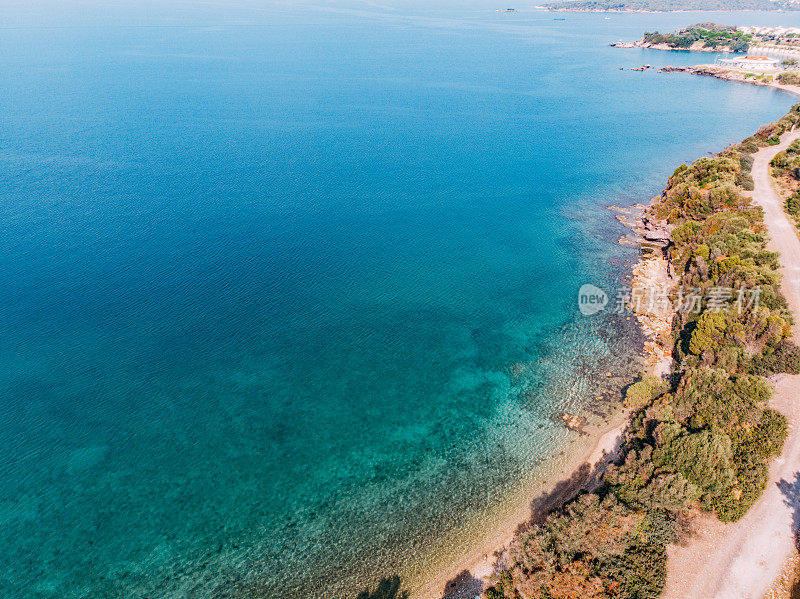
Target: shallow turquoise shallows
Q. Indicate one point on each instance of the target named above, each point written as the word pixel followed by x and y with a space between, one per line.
pixel 289 290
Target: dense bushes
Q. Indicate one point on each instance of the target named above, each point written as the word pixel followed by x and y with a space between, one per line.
pixel 711 35
pixel 595 547
pixel 707 443
pixel 743 178
pixel 702 189
pixel 781 126
pixel 643 392
pixel 786 165
pixel 741 343
pixel 793 205
pixel 745 181
pixel 703 441
pixel 788 161
pixel 790 78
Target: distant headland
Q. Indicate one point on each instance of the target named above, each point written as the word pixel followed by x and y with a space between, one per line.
pixel 669 5
pixel 780 43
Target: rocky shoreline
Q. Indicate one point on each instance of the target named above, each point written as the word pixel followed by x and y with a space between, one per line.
pixel 695 47
pixel 586 460
pixel 652 280
pixel 713 71
pixel 652 285
pixel 710 70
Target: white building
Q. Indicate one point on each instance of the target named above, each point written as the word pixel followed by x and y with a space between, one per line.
pixel 777 31
pixel 750 63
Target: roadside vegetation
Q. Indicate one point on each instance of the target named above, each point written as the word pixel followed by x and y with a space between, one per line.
pixel 786 169
pixel 700 441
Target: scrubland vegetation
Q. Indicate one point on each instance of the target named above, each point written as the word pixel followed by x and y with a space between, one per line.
pixel 790 78
pixel 712 35
pixel 786 168
pixel 702 440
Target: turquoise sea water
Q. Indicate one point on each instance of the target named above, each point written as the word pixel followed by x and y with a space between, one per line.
pixel 288 289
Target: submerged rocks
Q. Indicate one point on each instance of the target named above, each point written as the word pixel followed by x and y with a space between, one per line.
pixel 573 422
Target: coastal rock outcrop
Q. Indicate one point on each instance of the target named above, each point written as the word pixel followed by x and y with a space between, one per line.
pixel 652 230
pixel 653 283
pixel 649 233
pixel 707 70
pixel 695 47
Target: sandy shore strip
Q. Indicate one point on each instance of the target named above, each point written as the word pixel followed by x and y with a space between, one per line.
pixel 464 573
pixel 482 542
pixel 742 559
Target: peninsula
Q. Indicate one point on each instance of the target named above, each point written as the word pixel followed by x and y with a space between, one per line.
pixel 714 37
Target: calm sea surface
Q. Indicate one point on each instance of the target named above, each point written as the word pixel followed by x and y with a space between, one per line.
pixel 287 290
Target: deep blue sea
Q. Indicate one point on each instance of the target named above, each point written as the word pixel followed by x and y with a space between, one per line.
pixel 287 289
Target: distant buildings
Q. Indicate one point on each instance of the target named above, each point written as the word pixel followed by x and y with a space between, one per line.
pixel 771 31
pixel 750 63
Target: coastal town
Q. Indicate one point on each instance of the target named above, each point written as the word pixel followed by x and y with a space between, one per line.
pixel 758 55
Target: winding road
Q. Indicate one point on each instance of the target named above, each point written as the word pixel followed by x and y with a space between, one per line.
pixel 741 560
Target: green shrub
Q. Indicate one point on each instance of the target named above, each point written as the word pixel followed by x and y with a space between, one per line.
pixel 787 162
pixel 503 588
pixel 641 571
pixel 709 332
pixel 643 392
pixel 784 357
pixel 793 204
pixel 750 145
pixel 791 78
pixel 745 181
pixel 780 160
pixel 705 459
